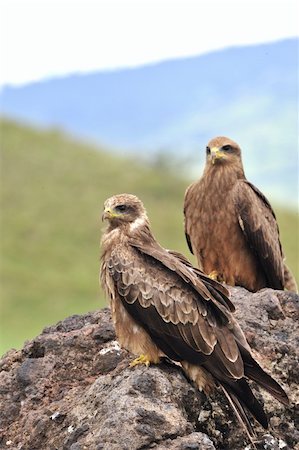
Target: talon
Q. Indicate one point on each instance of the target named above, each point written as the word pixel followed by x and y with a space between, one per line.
pixel 142 359
pixel 214 275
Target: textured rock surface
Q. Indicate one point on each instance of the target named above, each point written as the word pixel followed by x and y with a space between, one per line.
pixel 71 388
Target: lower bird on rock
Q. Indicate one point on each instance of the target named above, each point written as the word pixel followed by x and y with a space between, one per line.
pixel 162 306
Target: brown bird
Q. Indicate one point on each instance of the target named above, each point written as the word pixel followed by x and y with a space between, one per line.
pixel 162 306
pixel 230 225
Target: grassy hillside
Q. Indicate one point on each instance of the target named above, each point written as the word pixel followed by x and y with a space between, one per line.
pixel 177 106
pixel 52 194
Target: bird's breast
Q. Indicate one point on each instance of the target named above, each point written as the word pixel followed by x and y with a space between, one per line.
pixel 130 334
pixel 217 239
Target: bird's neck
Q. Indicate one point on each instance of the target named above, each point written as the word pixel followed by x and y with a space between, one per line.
pixel 121 234
pixel 223 174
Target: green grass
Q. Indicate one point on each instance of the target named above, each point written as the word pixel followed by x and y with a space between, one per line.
pixel 53 189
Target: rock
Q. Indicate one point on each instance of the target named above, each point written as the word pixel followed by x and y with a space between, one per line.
pixel 72 388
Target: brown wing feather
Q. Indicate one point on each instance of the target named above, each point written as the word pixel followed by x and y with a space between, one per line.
pixel 174 314
pixel 189 242
pixel 258 223
pixel 187 223
pixel 204 277
pixel 289 280
pixel 208 289
pixel 218 291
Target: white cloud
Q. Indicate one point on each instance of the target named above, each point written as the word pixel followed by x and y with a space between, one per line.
pixel 43 38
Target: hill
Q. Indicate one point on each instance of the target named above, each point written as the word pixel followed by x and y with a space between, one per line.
pixel 248 93
pixel 53 189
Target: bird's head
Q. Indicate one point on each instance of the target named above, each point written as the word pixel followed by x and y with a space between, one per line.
pixel 222 150
pixel 124 209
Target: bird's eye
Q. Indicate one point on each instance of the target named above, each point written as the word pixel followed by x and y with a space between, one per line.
pixel 121 208
pixel 227 148
pixel 208 150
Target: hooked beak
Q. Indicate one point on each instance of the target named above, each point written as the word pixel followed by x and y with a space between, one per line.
pixel 216 153
pixel 107 214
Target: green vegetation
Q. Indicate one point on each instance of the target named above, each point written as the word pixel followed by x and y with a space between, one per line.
pixel 53 189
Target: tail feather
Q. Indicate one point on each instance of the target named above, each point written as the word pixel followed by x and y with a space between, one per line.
pixel 265 381
pixel 253 371
pixel 243 393
pixel 289 280
pixel 239 411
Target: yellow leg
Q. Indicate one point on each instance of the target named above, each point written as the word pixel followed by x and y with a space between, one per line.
pixel 142 359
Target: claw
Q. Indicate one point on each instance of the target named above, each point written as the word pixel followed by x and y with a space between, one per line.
pixel 142 359
pixel 214 275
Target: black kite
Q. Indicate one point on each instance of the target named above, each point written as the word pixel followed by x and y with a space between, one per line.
pixel 162 306
pixel 230 225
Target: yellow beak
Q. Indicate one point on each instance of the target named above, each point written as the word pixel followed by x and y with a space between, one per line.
pixel 107 214
pixel 216 153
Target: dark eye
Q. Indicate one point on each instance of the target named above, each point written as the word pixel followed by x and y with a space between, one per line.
pixel 208 150
pixel 121 208
pixel 227 148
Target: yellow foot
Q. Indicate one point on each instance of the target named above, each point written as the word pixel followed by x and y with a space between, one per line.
pixel 142 359
pixel 214 275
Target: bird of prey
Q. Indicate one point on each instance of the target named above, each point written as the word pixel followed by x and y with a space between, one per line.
pixel 162 306
pixel 230 226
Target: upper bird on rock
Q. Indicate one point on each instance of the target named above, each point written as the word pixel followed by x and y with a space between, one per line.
pixel 230 225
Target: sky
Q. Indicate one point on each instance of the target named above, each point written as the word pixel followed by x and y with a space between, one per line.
pixel 45 38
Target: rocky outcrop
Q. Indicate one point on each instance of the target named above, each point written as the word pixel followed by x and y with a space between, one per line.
pixel 72 388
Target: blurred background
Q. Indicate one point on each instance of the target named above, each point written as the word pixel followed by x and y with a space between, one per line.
pixel 103 97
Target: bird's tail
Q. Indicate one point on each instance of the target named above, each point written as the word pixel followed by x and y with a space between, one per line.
pixel 240 412
pixel 253 371
pixel 289 280
pixel 242 400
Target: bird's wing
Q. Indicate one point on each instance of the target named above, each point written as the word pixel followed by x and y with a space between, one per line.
pixel 182 323
pixel 289 280
pixel 187 223
pixel 209 290
pixel 258 224
pixel 218 290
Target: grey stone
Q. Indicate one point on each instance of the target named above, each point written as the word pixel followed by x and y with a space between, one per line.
pixel 72 388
